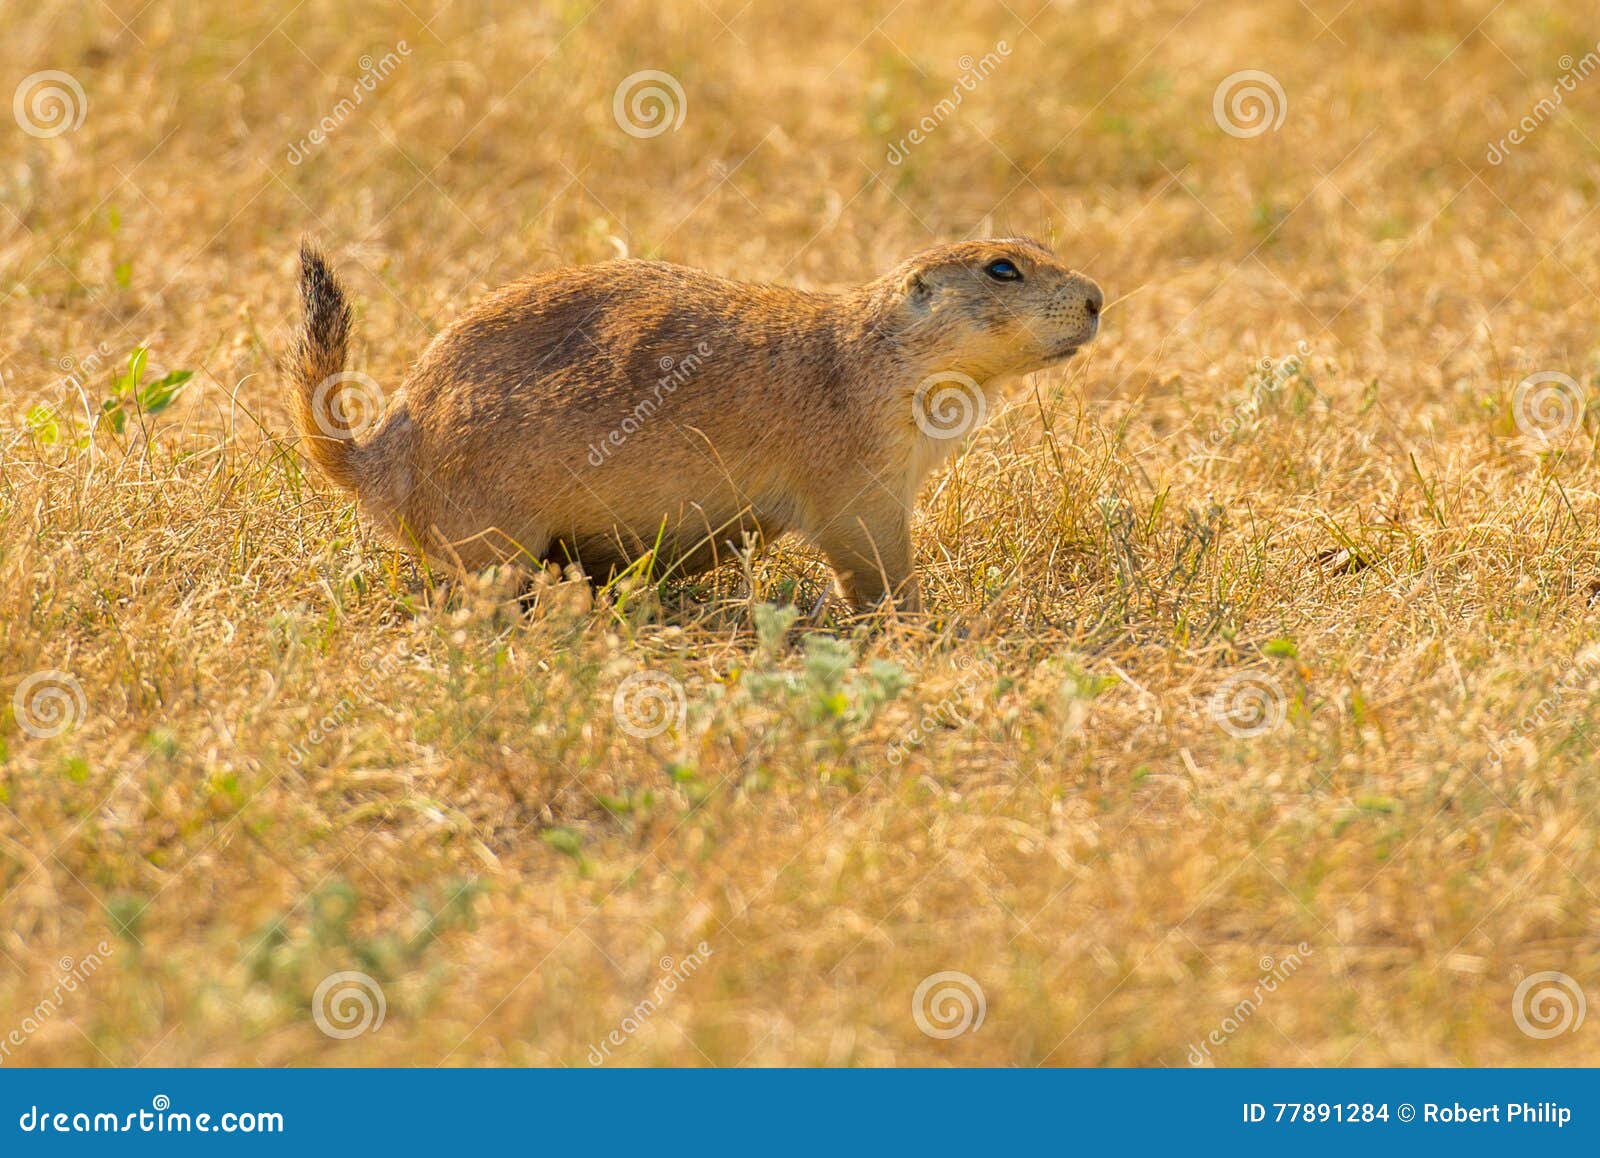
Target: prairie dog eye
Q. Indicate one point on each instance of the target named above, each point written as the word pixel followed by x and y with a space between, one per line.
pixel 1003 270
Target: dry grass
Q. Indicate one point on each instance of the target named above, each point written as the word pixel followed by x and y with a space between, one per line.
pixel 1074 829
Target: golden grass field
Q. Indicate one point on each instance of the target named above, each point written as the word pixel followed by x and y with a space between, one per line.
pixel 1296 477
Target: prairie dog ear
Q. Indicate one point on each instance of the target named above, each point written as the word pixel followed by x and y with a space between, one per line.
pixel 915 289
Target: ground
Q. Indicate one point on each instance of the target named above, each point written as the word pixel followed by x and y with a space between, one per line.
pixel 1254 717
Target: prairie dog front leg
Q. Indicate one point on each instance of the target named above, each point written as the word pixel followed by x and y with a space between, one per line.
pixel 869 548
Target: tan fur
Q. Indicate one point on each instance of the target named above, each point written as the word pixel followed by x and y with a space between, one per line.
pixel 592 415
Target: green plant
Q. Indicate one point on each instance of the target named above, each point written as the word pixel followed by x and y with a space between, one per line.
pixel 130 392
pixel 145 397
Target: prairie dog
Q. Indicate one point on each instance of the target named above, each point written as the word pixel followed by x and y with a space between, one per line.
pixel 599 413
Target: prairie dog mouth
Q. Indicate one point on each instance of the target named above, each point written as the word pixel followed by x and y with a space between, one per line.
pixel 1062 353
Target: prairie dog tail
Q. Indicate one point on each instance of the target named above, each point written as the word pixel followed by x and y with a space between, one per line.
pixel 332 406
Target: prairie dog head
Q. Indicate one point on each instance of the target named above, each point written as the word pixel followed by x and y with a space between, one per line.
pixel 990 309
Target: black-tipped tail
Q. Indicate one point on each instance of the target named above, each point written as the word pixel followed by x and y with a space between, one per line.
pixel 318 370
